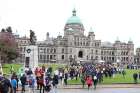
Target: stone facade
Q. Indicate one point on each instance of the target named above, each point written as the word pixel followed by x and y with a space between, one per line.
pixel 22 43
pixel 137 56
pixel 74 46
pixel 118 52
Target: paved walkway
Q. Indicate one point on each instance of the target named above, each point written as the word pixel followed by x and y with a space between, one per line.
pixel 79 87
pixel 102 86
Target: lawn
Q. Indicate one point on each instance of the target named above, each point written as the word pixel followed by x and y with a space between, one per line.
pixel 6 68
pixel 117 79
pixel 16 67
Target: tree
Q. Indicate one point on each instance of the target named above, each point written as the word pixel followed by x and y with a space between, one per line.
pixel 8 46
pixel 2 30
pixel 9 29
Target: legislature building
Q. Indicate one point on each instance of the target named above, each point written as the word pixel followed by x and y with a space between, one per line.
pixel 75 47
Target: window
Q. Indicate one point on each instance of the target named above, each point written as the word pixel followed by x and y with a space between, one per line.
pixel 102 58
pixel 101 52
pixel 84 43
pixel 112 53
pixel 112 58
pixel 21 49
pixel 91 57
pixel 62 50
pixel 24 49
pixel 54 56
pixel 96 57
pixel 71 50
pixel 96 51
pixel 70 56
pixel 51 51
pixel 92 51
pixel 44 50
pixel 47 50
pixel 47 56
pixel 40 56
pixel 62 56
pixel 87 57
pixel 44 56
pixel 54 50
pixel 50 56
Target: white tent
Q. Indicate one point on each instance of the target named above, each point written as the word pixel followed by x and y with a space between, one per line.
pixel 101 61
pixel 118 61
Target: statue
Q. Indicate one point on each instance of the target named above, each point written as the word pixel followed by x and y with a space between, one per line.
pixel 32 38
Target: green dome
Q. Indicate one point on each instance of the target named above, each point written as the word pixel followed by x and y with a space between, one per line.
pixel 74 19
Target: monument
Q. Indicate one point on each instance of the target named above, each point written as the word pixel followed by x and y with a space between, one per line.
pixel 31 55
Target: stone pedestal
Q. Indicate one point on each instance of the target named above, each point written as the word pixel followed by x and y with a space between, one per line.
pixel 1 70
pixel 31 57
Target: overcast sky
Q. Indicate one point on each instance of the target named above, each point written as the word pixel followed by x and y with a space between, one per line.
pixel 108 18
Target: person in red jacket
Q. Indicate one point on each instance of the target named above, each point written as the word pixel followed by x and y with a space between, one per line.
pixel 89 81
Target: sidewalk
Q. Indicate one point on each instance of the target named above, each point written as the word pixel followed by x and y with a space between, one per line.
pixel 98 86
pixel 102 86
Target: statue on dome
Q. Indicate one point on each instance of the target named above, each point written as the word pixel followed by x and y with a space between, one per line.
pixel 32 38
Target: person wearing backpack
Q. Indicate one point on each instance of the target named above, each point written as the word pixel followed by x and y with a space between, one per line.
pixel 5 85
pixel 23 80
pixel 47 84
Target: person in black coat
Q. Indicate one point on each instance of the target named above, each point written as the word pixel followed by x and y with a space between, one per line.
pixel 23 80
pixel 5 85
pixel 139 75
pixel 135 77
pixel 55 81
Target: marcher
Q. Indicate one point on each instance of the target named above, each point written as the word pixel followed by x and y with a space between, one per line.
pixel 123 73
pixel 14 84
pixel 31 84
pixel 14 76
pixel 95 81
pixel 66 78
pixel 83 80
pixel 89 81
pixel 41 83
pixel 47 84
pixel 23 80
pixel 5 85
pixel 135 77
pixel 55 81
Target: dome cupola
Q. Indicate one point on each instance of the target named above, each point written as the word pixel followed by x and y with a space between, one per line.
pixel 75 24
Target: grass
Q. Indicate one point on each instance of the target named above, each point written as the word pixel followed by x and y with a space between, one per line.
pixel 120 79
pixel 54 66
pixel 117 79
pixel 6 68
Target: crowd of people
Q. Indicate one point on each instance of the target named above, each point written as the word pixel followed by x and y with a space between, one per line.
pixel 45 79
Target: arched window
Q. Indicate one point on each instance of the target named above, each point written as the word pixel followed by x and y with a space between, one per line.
pixel 91 57
pixel 62 56
pixel 62 50
pixel 54 50
pixel 80 54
